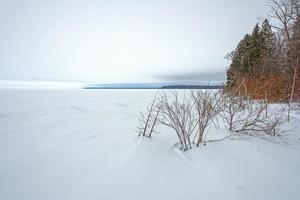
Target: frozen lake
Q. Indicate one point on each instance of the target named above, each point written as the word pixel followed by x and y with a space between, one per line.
pixel 82 144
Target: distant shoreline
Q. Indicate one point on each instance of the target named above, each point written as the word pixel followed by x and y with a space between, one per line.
pixel 156 87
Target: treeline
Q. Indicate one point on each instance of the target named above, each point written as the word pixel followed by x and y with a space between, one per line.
pixel 265 63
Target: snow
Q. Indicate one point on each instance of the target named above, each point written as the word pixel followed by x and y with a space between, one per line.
pixel 82 144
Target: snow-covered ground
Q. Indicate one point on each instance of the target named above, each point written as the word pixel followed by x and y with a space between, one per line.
pixel 82 144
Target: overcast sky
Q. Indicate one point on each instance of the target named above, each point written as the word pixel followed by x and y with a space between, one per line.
pixel 121 41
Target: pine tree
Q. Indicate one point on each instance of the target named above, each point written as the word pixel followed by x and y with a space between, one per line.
pixel 255 50
pixel 246 57
pixel 268 36
pixel 270 49
pixel 238 59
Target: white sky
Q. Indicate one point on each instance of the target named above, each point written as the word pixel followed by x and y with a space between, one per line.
pixel 121 41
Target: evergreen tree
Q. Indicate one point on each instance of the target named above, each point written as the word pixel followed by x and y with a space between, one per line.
pixel 253 54
pixel 238 58
pixel 255 50
pixel 269 39
pixel 246 57
pixel 270 49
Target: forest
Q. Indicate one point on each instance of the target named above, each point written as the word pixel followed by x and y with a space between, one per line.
pixel 265 63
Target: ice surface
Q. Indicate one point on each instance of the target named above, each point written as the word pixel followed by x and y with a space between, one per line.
pixel 82 144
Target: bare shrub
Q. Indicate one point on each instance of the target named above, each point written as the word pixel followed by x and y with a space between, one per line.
pixel 207 106
pixel 295 107
pixel 191 115
pixel 148 119
pixel 246 116
pixel 233 110
pixel 256 120
pixel 177 113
